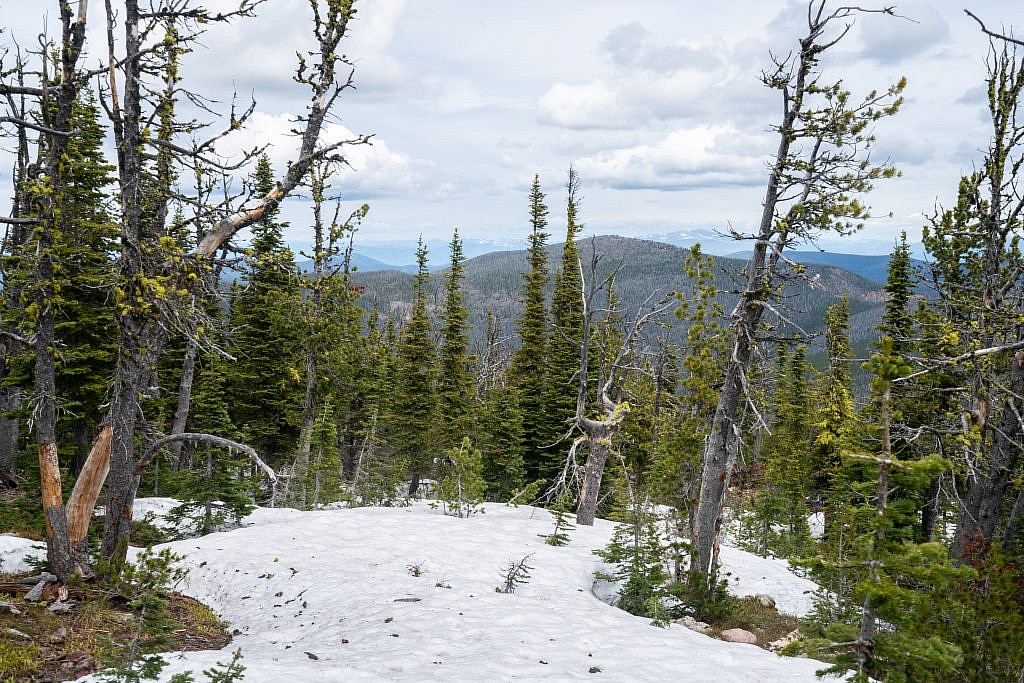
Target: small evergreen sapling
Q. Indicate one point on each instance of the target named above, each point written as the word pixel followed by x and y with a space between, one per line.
pixel 461 486
pixel 559 536
pixel 638 553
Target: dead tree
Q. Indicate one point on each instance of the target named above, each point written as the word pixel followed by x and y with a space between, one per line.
pixel 600 419
pixel 150 274
pixel 816 175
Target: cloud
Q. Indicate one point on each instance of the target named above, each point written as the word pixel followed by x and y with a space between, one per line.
pixel 634 46
pixel 376 169
pixel 589 105
pixel 888 40
pixel 703 156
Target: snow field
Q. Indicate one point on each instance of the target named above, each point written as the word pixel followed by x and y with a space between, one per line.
pixel 329 596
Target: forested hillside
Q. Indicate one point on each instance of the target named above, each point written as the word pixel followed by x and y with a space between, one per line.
pixel 592 458
pixel 493 282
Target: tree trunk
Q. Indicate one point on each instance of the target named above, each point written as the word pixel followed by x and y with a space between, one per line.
pixel 930 510
pixel 86 492
pixel 188 368
pixel 982 505
pixel 10 399
pixel 599 445
pixel 719 458
pixel 141 343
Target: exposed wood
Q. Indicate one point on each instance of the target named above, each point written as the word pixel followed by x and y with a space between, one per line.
pixel 211 439
pixel 87 489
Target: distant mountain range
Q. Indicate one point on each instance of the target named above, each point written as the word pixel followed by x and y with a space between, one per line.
pixel 494 281
pixel 401 257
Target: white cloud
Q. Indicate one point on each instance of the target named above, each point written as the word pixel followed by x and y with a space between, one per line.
pixel 686 159
pixel 589 105
pixel 376 169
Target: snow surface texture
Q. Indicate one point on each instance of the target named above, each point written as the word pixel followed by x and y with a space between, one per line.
pixel 14 549
pixel 298 585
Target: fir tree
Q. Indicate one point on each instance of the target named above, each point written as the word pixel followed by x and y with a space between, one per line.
pixel 412 417
pixel 528 372
pixel 561 387
pixel 779 521
pixel 264 384
pixel 461 485
pixel 895 580
pixel 454 380
pixel 836 424
pixel 500 435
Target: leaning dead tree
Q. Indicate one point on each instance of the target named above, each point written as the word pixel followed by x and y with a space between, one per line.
pixel 139 79
pixel 821 167
pixel 600 417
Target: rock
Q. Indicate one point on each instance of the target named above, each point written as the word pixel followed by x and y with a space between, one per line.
pixel 15 633
pixel 765 600
pixel 9 608
pixel 35 594
pixel 694 625
pixel 60 607
pixel 739 635
pixel 785 640
pixel 59 635
pixel 45 577
pixel 312 656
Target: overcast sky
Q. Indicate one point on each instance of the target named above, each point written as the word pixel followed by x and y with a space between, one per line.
pixel 657 104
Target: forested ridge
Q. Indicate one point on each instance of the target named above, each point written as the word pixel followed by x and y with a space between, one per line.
pixel 159 339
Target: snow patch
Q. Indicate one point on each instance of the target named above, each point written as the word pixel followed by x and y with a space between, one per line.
pixel 335 584
pixel 14 549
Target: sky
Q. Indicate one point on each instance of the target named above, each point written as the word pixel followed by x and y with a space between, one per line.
pixel 656 103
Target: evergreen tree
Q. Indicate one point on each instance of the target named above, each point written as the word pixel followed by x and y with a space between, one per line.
pixel 454 380
pixel 895 581
pixel 461 485
pixel 528 372
pixel 778 524
pixel 264 385
pixel 567 324
pixel 412 416
pixel 836 426
pixel 500 435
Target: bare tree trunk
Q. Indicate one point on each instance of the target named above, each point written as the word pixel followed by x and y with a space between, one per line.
pixel 599 447
pixel 982 505
pixel 188 368
pixel 10 429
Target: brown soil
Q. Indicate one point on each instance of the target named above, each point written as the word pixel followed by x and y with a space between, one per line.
pixel 40 646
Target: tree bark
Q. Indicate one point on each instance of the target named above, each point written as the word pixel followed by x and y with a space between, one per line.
pixel 599 447
pixel 982 505
pixel 188 368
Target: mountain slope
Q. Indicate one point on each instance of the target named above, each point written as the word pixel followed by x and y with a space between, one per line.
pixel 494 281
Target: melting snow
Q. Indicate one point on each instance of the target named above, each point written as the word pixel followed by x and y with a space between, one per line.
pixel 329 596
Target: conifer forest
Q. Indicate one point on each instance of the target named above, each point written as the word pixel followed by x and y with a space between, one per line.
pixel 577 456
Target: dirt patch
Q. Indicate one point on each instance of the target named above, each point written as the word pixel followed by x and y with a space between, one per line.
pixel 37 645
pixel 767 623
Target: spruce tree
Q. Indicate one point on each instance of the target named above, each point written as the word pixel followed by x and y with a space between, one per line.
pixel 454 380
pixel 413 412
pixel 264 385
pixel 835 428
pixel 528 371
pixel 561 387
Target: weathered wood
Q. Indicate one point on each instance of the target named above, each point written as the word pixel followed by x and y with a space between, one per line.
pixel 188 369
pixel 87 490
